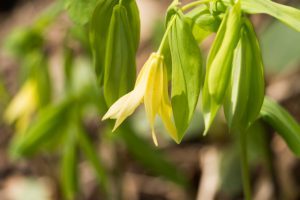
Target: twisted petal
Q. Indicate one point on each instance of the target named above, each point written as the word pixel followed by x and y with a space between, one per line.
pixel 165 110
pixel 153 94
pixel 127 104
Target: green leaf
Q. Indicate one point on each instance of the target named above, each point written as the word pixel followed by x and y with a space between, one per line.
pixel 43 129
pixel 69 165
pixel 186 73
pixel 120 66
pixel 134 21
pixel 80 10
pixel 151 158
pixel 285 51
pixel 285 125
pixel 203 22
pixel 99 24
pixel 99 30
pixel 93 158
pixel 286 14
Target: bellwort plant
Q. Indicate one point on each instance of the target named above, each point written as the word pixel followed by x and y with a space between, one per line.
pixel 232 76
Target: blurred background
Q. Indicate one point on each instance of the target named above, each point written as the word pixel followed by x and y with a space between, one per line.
pixel 49 94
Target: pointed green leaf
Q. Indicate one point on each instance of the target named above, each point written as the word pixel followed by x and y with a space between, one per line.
pixel 99 30
pixel 80 10
pixel 46 126
pixel 69 170
pixel 186 72
pixel 98 34
pixel 285 125
pixel 286 14
pixel 120 66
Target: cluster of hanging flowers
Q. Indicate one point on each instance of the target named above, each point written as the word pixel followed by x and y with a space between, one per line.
pixel 151 88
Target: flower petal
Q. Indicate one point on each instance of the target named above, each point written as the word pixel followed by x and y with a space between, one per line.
pixel 153 94
pixel 132 102
pixel 154 137
pixel 113 111
pixel 165 110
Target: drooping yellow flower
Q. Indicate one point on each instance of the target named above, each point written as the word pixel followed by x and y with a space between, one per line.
pixel 22 105
pixel 151 87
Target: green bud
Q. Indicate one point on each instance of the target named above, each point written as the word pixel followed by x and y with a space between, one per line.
pixel 246 92
pixel 220 69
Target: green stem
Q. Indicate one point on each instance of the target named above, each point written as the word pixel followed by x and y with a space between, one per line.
pixel 120 2
pixel 244 165
pixel 193 4
pixel 165 37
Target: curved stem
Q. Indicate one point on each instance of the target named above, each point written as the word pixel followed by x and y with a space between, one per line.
pixel 165 37
pixel 244 165
pixel 194 4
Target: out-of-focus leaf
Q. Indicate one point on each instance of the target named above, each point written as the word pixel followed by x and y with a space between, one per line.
pixel 69 164
pixel 80 10
pixel 150 157
pixel 120 66
pixel 44 128
pixel 186 72
pixel 93 158
pixel 23 40
pixel 280 52
pixel 286 14
pixel 285 125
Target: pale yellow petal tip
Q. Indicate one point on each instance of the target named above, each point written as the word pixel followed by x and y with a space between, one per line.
pixel 115 126
pixel 105 117
pixel 154 138
pixel 205 131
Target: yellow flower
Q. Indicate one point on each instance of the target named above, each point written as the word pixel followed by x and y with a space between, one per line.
pixel 22 105
pixel 151 87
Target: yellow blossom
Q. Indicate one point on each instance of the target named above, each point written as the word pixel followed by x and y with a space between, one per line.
pixel 151 87
pixel 22 105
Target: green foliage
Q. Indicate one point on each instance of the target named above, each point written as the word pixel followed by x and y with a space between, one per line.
pixel 220 67
pixel 286 14
pixel 186 72
pixel 80 10
pixel 114 33
pixel 279 59
pixel 233 78
pixel 119 74
pixel 69 167
pixel 285 125
pixel 150 157
pixel 50 120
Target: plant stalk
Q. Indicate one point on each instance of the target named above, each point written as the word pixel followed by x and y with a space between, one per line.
pixel 194 4
pixel 244 164
pixel 165 37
